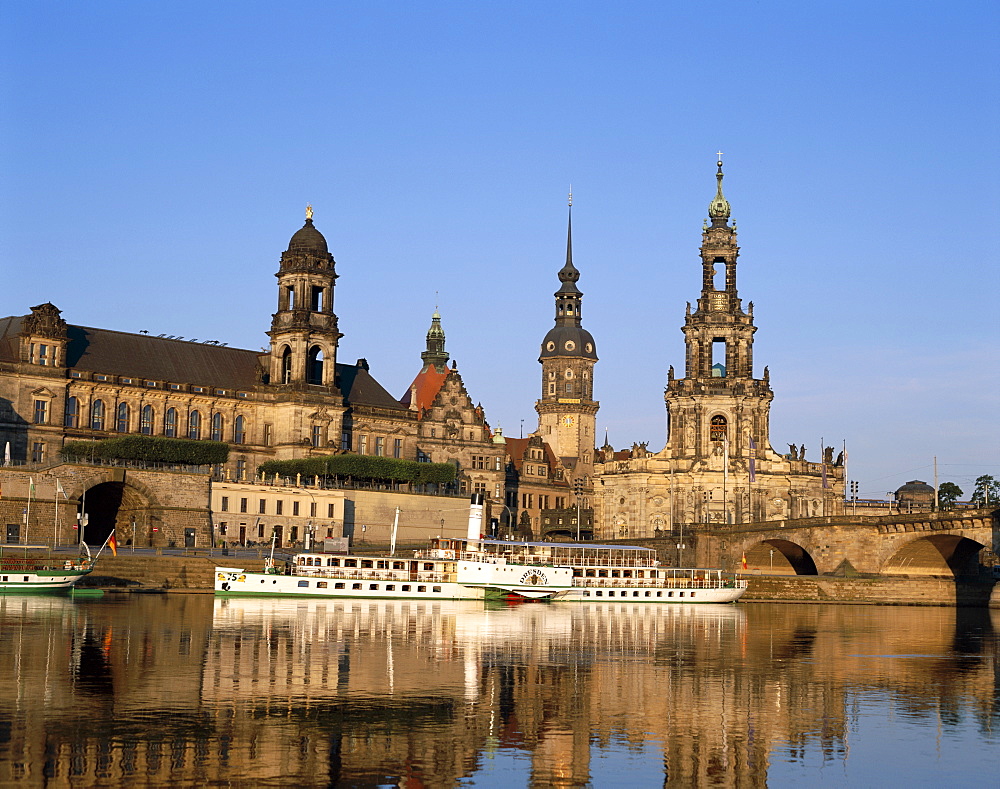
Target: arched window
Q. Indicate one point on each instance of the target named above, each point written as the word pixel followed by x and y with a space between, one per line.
pixel 240 430
pixel 97 415
pixel 122 418
pixel 146 420
pixel 314 369
pixel 217 427
pixel 170 423
pixel 286 365
pixel 194 425
pixel 717 431
pixel 72 415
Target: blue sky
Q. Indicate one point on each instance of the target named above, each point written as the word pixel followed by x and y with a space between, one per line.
pixel 156 158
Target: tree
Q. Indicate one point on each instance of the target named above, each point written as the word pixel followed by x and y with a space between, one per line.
pixel 987 491
pixel 948 493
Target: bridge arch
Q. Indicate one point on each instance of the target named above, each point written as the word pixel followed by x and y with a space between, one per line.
pixel 781 557
pixel 936 555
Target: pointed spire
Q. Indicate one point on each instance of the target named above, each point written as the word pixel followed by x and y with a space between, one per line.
pixel 568 274
pixel 718 209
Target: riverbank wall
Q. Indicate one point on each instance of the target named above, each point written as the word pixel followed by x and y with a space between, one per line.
pixel 195 573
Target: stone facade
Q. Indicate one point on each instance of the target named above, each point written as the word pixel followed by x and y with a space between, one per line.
pixel 60 382
pixel 718 465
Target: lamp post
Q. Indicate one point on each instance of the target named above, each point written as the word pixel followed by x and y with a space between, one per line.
pixel 578 492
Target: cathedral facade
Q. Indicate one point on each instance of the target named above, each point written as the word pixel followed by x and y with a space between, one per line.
pixel 718 466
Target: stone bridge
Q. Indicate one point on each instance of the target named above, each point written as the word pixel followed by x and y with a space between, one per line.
pixel 956 544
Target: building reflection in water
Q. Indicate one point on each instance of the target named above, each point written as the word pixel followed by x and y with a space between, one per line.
pixel 192 691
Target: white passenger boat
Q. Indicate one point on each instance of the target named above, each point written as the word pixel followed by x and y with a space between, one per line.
pixel 479 569
pixel 24 574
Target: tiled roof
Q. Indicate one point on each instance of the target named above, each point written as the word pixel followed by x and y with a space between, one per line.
pixel 158 358
pixel 425 387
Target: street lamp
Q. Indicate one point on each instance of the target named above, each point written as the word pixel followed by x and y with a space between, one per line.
pixel 578 490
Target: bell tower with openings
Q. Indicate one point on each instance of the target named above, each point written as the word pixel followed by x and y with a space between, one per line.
pixel 304 335
pixel 718 402
pixel 567 411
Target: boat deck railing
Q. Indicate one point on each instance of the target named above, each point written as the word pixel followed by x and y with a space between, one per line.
pixel 660 583
pixel 401 576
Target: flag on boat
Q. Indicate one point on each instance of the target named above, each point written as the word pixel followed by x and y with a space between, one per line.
pixel 753 460
pixel 113 544
pixel 743 561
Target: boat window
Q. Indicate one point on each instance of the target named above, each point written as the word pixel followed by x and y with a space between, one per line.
pixel 586 593
pixel 338 586
pixel 602 573
pixel 428 565
pixel 670 594
pixel 333 562
pixel 421 588
pixel 390 587
pixel 611 593
pixel 398 566
pixel 350 562
pixel 366 563
pixel 435 588
pixel 355 586
pixel 577 572
pixel 303 583
pixel 647 594
pixel 626 573
pixel 373 587
pixel 615 573
pixel 406 587
pixel 302 560
pixel 382 565
pixel 635 594
pixel 692 594
pixel 321 584
pixel 591 573
pixel 599 593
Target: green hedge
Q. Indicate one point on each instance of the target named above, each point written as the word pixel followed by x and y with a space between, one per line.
pixel 361 467
pixel 150 448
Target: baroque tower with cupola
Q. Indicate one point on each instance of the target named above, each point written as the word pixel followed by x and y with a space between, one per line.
pixel 718 404
pixel 567 410
pixel 304 334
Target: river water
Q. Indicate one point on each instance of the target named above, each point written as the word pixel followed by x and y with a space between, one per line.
pixel 187 690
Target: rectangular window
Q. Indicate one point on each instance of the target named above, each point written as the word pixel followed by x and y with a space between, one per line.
pixel 421 588
pixel 317 435
pixel 295 508
pixel 479 487
pixel 390 587
pixel 321 584
pixel 151 384
pixel 496 491
pixel 224 506
pixel 379 446
pixel 241 469
pixel 268 430
pixel 126 380
pixel 397 448
pixel 345 440
pixel 37 452
pixel 543 471
pixel 363 445
pixel 175 387
pixel 338 586
pixel 243 505
pixel 41 412
pixel 262 506
pixel 435 588
pixel 303 583
pixel 329 510
pixel 312 509
pixel 279 507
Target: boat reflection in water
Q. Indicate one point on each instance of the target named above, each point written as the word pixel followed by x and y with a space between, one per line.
pixel 189 690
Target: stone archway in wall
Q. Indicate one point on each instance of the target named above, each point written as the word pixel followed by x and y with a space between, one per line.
pixel 115 506
pixel 936 556
pixel 780 557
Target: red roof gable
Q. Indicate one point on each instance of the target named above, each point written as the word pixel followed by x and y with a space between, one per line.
pixel 424 389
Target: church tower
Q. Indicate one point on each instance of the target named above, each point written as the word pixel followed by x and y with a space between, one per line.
pixel 718 402
pixel 567 410
pixel 304 333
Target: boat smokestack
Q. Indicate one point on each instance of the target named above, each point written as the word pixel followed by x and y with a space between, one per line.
pixel 475 517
